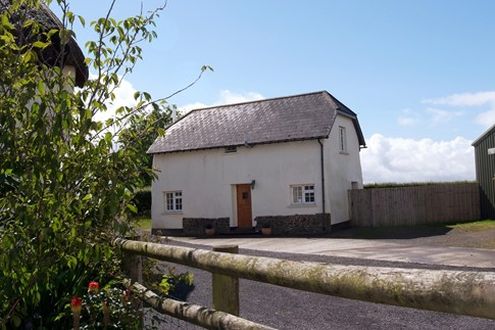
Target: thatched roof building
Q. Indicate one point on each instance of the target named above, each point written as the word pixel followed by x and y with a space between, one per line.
pixel 54 55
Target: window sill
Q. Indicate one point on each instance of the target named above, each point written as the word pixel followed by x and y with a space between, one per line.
pixel 303 205
pixel 172 213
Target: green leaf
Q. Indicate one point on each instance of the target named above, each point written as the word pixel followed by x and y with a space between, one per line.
pixel 132 208
pixel 72 262
pixel 81 20
pixel 16 320
pixel 40 44
pixel 87 197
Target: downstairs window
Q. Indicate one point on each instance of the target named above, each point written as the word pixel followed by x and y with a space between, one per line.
pixel 173 201
pixel 303 194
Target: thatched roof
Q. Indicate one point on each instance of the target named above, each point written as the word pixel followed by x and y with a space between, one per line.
pixel 72 54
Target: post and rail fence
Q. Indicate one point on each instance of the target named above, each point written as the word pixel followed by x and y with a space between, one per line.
pixel 459 292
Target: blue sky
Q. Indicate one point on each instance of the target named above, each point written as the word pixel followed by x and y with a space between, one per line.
pixel 418 73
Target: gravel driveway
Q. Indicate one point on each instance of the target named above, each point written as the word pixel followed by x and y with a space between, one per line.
pixel 285 308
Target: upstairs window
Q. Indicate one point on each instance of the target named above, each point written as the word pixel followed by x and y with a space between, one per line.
pixel 173 201
pixel 342 140
pixel 303 194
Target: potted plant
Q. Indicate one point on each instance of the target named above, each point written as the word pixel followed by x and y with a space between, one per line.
pixel 266 229
pixel 209 230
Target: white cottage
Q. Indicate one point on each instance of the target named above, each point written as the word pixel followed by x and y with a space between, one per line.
pixel 286 161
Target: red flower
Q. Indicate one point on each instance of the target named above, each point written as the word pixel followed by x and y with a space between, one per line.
pixel 93 287
pixel 75 304
pixel 126 295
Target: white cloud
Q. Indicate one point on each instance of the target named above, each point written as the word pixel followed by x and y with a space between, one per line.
pixel 464 99
pixel 406 121
pixel 407 118
pixel 124 96
pixel 428 116
pixel 478 99
pixel 439 116
pixel 486 118
pixel 408 160
pixel 225 97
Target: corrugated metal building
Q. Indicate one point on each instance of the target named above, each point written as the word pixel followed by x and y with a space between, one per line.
pixel 485 171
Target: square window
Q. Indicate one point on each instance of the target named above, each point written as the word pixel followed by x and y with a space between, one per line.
pixel 303 194
pixel 173 201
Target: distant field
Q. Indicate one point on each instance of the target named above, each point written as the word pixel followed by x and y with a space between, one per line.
pixel 143 223
pixel 409 184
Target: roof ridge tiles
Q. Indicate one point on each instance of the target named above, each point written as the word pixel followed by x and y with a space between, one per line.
pixel 257 101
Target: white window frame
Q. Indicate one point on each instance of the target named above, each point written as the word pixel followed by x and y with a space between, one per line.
pixel 173 201
pixel 342 140
pixel 305 194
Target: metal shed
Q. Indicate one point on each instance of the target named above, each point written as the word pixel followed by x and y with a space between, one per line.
pixel 484 151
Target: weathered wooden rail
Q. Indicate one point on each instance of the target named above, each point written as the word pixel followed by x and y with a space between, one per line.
pixel 460 292
pixel 195 314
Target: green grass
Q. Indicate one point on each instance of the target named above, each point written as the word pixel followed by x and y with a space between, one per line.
pixel 143 223
pixel 416 231
pixel 474 226
pixel 410 184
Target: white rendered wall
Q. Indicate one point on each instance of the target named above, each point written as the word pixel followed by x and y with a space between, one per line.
pixel 341 169
pixel 207 180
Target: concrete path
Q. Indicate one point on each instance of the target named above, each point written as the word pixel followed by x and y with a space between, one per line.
pixel 360 248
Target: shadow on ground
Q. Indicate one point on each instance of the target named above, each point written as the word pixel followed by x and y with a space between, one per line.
pixel 406 232
pixel 410 232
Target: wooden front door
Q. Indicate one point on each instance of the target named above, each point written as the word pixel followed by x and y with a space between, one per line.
pixel 244 213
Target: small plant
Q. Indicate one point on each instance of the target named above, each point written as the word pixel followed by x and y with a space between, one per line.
pixel 110 308
pixel 209 230
pixel 177 286
pixel 266 228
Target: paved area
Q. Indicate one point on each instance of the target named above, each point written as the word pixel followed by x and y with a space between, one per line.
pixel 361 249
pixel 285 308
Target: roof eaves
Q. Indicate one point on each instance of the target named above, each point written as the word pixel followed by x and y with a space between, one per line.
pixel 343 110
pixel 239 145
pixel 482 136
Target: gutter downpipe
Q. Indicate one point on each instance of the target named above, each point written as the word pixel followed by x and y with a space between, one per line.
pixel 322 164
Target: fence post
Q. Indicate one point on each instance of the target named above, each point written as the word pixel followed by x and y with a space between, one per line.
pixel 226 288
pixel 132 264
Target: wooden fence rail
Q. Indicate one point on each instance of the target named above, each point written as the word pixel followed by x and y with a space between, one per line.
pixel 195 314
pixel 435 203
pixel 460 292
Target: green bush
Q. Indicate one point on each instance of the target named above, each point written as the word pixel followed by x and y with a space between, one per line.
pixel 65 189
pixel 142 201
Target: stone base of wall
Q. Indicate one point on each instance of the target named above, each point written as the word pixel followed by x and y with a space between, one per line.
pixel 196 226
pixel 282 225
pixel 299 224
pixel 167 232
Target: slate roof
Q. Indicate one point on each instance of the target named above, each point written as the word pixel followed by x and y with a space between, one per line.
pixel 282 119
pixel 73 55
